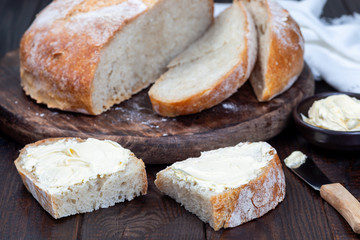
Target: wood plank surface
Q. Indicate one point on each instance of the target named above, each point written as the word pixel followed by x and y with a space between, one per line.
pixel 302 215
pixel 136 126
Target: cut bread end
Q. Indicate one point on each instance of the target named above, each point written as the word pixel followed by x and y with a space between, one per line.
pixel 211 69
pixel 280 53
pixel 45 168
pixel 209 191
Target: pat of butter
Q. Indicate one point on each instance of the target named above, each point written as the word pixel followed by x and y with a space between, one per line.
pixel 225 168
pixel 67 162
pixel 295 159
pixel 337 112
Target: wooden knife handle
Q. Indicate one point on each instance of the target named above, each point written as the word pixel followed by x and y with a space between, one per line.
pixel 344 202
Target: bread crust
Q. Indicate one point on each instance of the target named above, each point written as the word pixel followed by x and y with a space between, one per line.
pixel 47 200
pixel 285 59
pixel 65 82
pixel 223 89
pixel 252 200
pixel 245 203
pixel 285 63
pixel 218 92
pixel 57 66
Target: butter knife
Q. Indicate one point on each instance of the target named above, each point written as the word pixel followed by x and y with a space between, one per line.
pixel 333 193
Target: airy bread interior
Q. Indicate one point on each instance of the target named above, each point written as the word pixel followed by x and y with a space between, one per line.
pixel 227 49
pixel 84 55
pixel 139 53
pixel 195 199
pixel 100 191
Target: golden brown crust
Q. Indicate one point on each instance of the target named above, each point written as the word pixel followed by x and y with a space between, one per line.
pixel 268 190
pixel 284 63
pixel 285 59
pixel 144 177
pixel 223 206
pixel 245 203
pixel 231 208
pixel 57 66
pixel 221 90
pixel 59 54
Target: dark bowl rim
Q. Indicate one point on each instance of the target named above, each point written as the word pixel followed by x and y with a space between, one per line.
pixel 300 121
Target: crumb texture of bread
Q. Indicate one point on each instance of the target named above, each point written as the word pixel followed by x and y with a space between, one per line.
pixel 211 69
pixel 219 197
pixel 281 48
pixel 65 181
pixel 85 55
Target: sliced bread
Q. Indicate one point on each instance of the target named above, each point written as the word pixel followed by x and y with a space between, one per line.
pixel 70 175
pixel 228 186
pixel 86 55
pixel 211 69
pixel 280 53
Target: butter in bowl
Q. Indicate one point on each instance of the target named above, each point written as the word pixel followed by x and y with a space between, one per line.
pixel 330 120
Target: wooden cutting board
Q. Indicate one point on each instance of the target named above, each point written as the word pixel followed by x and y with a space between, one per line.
pixel 134 125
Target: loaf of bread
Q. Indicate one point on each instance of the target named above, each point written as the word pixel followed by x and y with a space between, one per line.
pixel 211 69
pixel 228 186
pixel 280 53
pixel 86 55
pixel 70 175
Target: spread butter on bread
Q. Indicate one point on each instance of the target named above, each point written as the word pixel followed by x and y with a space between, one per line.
pixel 228 186
pixel 70 175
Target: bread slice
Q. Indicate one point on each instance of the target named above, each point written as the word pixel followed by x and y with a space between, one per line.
pixel 228 186
pixel 70 175
pixel 86 55
pixel 280 53
pixel 211 69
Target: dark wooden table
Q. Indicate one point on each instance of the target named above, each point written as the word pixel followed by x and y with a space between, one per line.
pixel 302 215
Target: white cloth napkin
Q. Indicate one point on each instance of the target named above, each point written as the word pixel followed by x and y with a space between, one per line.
pixel 219 7
pixel 332 50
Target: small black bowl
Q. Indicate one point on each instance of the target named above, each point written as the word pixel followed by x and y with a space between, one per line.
pixel 329 139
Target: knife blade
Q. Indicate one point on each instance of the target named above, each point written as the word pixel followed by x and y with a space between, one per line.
pixel 333 193
pixel 311 174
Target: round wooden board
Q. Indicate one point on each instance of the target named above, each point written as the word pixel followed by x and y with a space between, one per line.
pixel 135 126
